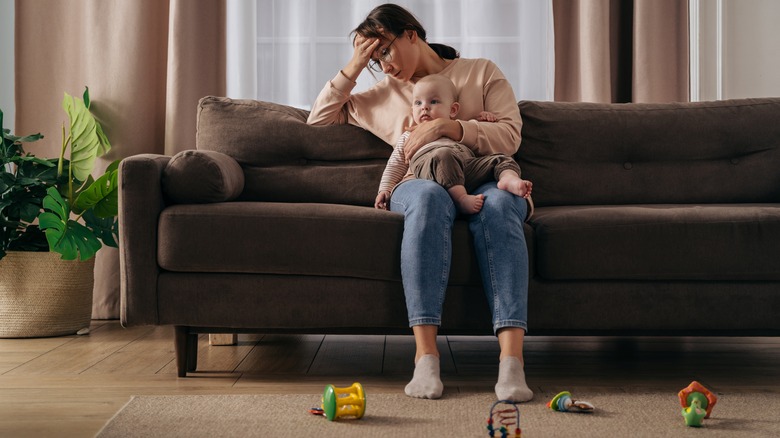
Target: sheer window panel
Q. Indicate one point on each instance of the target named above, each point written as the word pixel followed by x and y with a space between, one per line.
pixel 7 93
pixel 301 44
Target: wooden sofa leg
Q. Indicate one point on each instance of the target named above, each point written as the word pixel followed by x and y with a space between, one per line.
pixel 180 342
pixel 186 346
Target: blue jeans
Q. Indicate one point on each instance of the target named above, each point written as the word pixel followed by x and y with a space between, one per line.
pixel 426 251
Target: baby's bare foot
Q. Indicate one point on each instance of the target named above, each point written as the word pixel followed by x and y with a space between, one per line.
pixel 515 185
pixel 470 204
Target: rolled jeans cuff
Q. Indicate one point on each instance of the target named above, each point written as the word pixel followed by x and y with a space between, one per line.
pixel 425 321
pixel 509 323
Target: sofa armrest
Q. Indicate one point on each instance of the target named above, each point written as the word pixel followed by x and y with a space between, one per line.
pixel 140 203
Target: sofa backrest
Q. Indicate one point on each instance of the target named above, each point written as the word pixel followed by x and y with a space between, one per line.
pixel 575 153
pixel 286 160
pixel 704 152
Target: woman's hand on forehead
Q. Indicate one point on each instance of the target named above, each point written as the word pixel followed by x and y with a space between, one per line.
pixel 364 50
pixel 367 45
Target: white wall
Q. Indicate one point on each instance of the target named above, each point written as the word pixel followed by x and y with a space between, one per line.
pixel 739 54
pixel 7 63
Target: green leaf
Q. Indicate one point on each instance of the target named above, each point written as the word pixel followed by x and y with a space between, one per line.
pixel 26 138
pixel 106 229
pixel 67 237
pixel 29 211
pixel 21 203
pixel 34 159
pixel 33 239
pixel 85 97
pixel 103 139
pixel 6 134
pixel 26 181
pixel 87 140
pixel 101 196
pixel 23 182
pixel 6 181
pixel 113 166
pixel 54 203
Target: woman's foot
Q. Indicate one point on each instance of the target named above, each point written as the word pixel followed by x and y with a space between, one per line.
pixel 511 381
pixel 426 382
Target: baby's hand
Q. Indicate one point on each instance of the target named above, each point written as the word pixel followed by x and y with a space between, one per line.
pixel 487 116
pixel 381 200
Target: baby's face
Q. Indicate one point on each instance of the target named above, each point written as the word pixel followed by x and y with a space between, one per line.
pixel 429 103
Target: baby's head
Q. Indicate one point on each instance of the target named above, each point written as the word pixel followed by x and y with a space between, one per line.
pixel 434 97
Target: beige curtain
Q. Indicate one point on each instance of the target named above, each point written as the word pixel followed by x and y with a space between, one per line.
pixel 146 62
pixel 621 50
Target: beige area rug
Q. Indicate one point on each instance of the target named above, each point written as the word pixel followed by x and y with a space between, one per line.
pixel 455 415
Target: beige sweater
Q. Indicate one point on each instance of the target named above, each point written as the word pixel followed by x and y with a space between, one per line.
pixel 385 109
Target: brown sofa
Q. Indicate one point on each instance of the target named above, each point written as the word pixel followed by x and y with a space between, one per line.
pixel 650 219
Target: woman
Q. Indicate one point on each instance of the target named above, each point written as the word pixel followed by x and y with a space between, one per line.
pixel 391 40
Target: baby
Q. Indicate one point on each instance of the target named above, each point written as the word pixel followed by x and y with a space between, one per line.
pixel 445 161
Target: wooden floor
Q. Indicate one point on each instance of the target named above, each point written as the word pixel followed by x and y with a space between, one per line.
pixel 70 386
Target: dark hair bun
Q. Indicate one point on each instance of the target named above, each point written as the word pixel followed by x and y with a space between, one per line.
pixel 445 52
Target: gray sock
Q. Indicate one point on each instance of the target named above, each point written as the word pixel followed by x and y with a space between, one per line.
pixel 511 381
pixel 426 382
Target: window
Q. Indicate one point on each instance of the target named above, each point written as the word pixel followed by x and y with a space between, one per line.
pixel 301 44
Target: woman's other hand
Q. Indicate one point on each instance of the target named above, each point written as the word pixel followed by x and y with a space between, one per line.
pixel 364 48
pixel 429 131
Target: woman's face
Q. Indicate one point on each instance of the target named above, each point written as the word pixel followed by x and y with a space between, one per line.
pixel 396 55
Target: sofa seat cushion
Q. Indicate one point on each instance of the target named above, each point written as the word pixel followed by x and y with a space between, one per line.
pixel 280 238
pixel 295 239
pixel 658 242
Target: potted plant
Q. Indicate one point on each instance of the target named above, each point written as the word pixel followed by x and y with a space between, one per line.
pixel 54 217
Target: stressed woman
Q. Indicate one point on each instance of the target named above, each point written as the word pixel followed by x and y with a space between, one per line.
pixel 391 40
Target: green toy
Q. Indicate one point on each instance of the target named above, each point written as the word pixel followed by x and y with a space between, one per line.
pixel 697 403
pixel 694 413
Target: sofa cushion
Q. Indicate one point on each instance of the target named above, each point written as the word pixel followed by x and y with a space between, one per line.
pixel 202 176
pixel 280 238
pixel 677 153
pixel 287 160
pixel 297 239
pixel 658 242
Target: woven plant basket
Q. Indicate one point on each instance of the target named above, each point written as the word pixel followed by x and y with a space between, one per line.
pixel 43 295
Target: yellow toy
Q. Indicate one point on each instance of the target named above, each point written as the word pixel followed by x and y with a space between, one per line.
pixel 344 402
